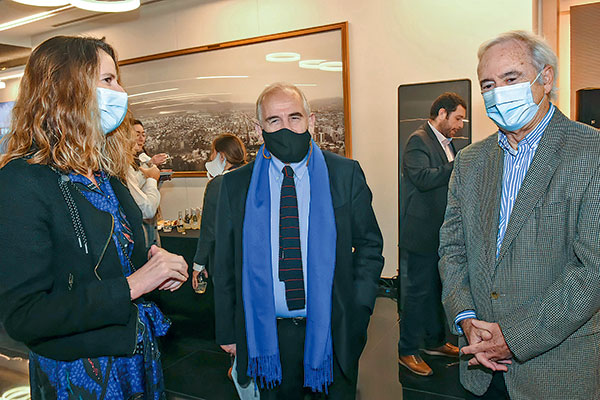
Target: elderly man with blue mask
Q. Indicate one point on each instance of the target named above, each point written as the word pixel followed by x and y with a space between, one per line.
pixel 519 247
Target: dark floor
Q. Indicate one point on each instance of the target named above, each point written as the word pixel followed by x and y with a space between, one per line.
pixel 195 368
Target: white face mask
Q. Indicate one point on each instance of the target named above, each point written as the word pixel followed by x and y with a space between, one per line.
pixel 511 107
pixel 216 167
pixel 113 108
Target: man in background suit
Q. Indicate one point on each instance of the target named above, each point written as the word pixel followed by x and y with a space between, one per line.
pixel 295 334
pixel 426 166
pixel 520 243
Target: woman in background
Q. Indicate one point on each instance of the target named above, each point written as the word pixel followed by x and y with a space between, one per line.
pixel 228 153
pixel 142 182
pixel 73 265
pixel 141 154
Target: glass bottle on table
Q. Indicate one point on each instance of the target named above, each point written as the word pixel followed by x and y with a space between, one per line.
pixel 194 222
pixel 180 227
pixel 187 219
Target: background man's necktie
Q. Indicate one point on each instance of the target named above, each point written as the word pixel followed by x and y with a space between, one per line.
pixel 290 256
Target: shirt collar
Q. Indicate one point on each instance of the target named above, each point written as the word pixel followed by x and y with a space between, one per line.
pixel 100 177
pixel 532 139
pixel 444 141
pixel 300 168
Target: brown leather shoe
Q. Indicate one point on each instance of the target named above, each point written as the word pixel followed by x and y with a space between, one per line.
pixel 448 350
pixel 416 365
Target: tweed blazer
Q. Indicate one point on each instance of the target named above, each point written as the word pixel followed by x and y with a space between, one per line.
pixel 544 287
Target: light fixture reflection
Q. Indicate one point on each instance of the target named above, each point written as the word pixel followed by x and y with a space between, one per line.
pixel 282 57
pixel 222 77
pixel 310 64
pixel 18 393
pixel 152 92
pixel 335 66
pixel 107 6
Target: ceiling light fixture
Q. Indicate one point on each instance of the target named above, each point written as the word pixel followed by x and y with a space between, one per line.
pixel 282 57
pixel 334 66
pixel 43 3
pixel 31 18
pixel 107 6
pixel 310 64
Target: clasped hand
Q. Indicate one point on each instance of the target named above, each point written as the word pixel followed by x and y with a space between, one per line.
pixel 164 270
pixel 486 344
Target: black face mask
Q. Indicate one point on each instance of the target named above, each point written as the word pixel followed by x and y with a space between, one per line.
pixel 288 146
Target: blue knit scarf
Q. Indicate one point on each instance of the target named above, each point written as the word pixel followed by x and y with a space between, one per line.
pixel 264 364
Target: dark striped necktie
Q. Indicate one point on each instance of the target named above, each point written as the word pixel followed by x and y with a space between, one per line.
pixel 290 256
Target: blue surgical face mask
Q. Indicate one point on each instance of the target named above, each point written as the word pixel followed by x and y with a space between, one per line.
pixel 511 107
pixel 113 107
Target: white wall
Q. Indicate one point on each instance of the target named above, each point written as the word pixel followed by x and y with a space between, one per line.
pixel 392 42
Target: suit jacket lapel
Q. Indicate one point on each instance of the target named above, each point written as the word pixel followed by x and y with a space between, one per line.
pixel 490 195
pixel 435 143
pixel 537 179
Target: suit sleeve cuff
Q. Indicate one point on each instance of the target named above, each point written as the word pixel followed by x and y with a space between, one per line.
pixel 463 315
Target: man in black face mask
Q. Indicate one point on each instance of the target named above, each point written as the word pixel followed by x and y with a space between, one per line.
pixel 298 251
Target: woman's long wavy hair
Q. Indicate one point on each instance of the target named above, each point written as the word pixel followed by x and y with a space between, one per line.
pixel 56 119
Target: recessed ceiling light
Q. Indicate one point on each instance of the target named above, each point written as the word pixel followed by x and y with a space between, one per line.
pixel 282 57
pixel 310 64
pixel 335 66
pixel 107 6
pixel 43 3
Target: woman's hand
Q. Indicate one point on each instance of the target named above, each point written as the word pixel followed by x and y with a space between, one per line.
pixel 159 158
pixel 163 270
pixel 152 172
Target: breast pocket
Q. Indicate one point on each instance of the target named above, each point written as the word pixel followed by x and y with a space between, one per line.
pixel 552 227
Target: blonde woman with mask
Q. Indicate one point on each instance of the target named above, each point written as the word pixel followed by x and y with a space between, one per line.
pixel 73 264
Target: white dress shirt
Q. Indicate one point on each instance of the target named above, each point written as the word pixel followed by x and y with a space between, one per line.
pixel 444 142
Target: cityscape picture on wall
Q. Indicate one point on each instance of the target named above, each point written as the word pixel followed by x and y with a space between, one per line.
pixel 186 98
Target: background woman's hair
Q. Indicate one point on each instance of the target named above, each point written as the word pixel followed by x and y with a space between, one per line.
pixel 56 120
pixel 231 147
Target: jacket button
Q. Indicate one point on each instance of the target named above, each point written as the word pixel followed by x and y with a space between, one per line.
pixel 494 295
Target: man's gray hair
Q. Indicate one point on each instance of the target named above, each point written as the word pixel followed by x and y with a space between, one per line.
pixel 280 86
pixel 541 53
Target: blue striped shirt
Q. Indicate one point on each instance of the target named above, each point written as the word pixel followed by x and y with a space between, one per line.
pixel 516 164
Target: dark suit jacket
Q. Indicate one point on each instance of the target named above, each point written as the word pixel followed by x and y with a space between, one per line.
pixel 357 270
pixel 61 302
pixel 206 242
pixel 425 175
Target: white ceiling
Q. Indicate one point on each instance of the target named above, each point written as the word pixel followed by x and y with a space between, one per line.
pixel 22 35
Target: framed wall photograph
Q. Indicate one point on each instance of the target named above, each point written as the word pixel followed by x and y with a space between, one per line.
pixel 186 98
